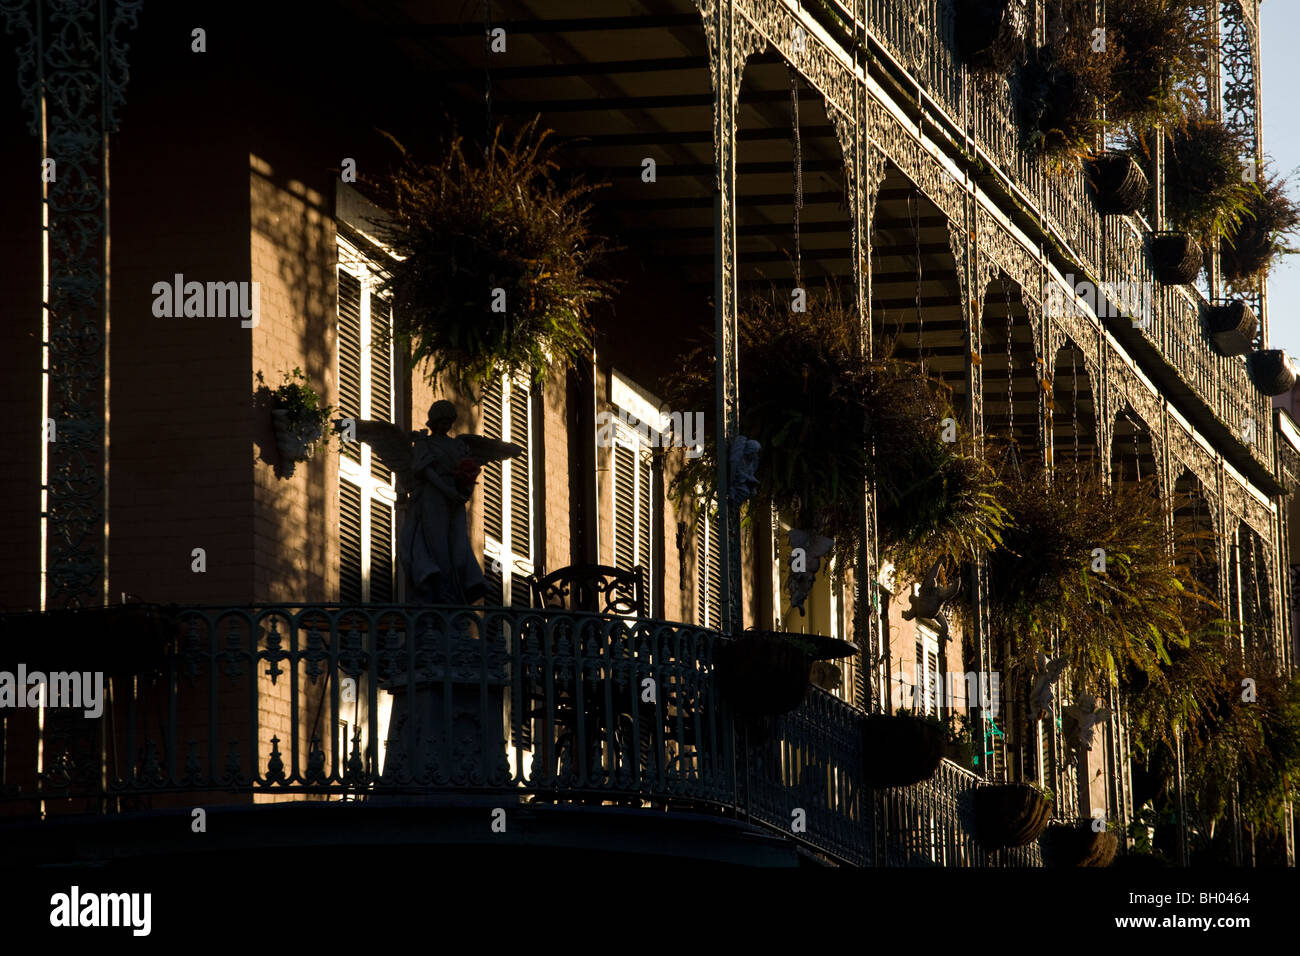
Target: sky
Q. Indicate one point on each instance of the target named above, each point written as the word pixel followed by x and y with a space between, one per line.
pixel 1279 26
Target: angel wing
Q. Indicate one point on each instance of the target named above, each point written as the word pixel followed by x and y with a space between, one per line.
pixel 390 443
pixel 489 449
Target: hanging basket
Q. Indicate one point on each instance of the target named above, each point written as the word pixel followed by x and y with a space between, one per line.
pixel 117 640
pixel 1078 845
pixel 1271 371
pixel 296 440
pixel 900 751
pixel 1246 253
pixel 1231 327
pixel 1010 814
pixel 766 673
pixel 991 34
pixel 1176 258
pixel 1121 184
pixel 1058 106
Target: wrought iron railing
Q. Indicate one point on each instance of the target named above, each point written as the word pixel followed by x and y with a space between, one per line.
pixel 933 824
pixel 919 36
pixel 376 703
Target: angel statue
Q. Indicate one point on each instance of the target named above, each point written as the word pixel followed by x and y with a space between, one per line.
pixel 929 597
pixel 438 472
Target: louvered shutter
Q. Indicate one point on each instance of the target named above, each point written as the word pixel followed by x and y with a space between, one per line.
pixel 507 498
pixel 366 495
pixel 350 543
pixel 493 486
pixel 644 517
pixel 935 680
pixel 521 522
pixel 625 509
pixel 634 511
pixel 381 374
pixel 381 553
pixel 350 355
pixel 708 562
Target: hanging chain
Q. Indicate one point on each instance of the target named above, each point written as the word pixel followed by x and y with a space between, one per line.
pixel 914 204
pixel 1074 414
pixel 798 172
pixel 1137 450
pixel 1011 369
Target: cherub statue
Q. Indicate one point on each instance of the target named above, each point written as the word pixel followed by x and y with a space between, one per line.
pixel 1084 717
pixel 439 472
pixel 928 599
pixel 743 465
pixel 1040 695
pixel 806 553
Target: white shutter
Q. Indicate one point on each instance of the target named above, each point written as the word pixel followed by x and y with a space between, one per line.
pixel 367 498
pixel 634 510
pixel 350 354
pixel 708 604
pixel 508 512
pixel 929 686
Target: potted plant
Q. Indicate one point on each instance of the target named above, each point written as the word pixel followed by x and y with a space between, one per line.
pixel 1120 183
pixel 901 749
pixel 1162 47
pixel 817 406
pixel 1065 89
pixel 299 419
pixel 1246 747
pixel 1176 258
pixel 1080 843
pixel 1206 194
pixel 498 260
pixel 766 673
pixel 991 34
pixel 119 640
pixel 1092 567
pixel 1231 327
pixel 1271 371
pixel 1247 249
pixel 1011 814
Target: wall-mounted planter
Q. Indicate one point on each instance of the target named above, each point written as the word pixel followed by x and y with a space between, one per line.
pixel 1010 814
pixel 1078 845
pixel 766 673
pixel 991 34
pixel 901 751
pixel 1121 184
pixel 1176 258
pixel 296 440
pixel 1231 327
pixel 1271 371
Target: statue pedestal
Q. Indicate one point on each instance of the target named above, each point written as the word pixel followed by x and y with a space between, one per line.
pixel 447 729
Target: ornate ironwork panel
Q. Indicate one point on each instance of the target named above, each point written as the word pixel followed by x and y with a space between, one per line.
pixel 72 77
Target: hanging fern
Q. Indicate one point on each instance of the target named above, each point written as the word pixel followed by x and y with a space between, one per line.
pixel 1048 577
pixel 829 420
pixel 467 227
pixel 1162 48
pixel 1205 194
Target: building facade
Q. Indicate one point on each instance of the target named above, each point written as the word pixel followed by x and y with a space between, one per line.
pixel 745 142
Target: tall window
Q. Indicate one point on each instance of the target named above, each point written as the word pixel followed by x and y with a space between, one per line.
pixel 367 496
pixel 508 538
